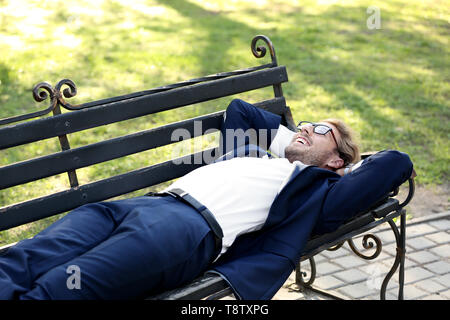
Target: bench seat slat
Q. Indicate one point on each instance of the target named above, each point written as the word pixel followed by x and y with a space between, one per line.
pixel 65 123
pixel 198 289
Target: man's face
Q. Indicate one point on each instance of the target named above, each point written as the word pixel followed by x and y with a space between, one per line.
pixel 312 148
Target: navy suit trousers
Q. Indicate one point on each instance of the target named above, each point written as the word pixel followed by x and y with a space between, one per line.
pixel 117 250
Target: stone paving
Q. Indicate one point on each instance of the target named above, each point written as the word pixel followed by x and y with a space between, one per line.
pixel 427 266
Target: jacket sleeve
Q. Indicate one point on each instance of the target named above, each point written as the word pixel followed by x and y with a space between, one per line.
pixel 256 277
pixel 357 191
pixel 246 124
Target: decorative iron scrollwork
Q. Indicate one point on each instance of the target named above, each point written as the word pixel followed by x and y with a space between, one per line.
pixel 69 92
pixel 40 95
pixel 260 51
pixel 336 247
pixel 367 245
pixel 41 92
pixel 300 275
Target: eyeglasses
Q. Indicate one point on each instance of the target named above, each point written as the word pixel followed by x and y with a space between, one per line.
pixel 318 128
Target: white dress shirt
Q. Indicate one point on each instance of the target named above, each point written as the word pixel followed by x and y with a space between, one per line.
pixel 239 192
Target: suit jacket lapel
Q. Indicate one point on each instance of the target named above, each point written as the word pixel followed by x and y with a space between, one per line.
pixel 293 195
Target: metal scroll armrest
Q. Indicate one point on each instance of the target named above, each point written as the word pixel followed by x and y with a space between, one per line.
pixel 410 191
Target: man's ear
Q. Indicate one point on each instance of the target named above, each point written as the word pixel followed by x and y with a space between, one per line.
pixel 335 162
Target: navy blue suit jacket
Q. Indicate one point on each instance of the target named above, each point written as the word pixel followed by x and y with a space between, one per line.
pixel 314 201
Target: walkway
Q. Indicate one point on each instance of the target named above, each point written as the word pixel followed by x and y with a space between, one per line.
pixel 427 265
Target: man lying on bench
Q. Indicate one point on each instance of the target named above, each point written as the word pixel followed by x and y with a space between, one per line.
pixel 246 218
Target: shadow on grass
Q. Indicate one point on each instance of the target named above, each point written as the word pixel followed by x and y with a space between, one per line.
pixel 216 34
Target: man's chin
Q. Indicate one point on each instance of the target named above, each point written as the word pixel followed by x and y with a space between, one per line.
pixel 299 156
pixel 304 156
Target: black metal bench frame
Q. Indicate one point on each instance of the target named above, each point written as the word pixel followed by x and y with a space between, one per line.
pixel 138 104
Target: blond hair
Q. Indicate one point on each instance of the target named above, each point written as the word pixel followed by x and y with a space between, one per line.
pixel 347 145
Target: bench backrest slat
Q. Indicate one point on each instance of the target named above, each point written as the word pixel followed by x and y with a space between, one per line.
pixel 135 107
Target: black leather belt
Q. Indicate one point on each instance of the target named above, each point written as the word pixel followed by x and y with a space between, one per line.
pixel 203 210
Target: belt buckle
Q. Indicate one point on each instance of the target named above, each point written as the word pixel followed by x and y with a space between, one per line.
pixel 183 194
pixel 176 195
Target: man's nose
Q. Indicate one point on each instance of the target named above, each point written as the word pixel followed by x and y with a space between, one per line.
pixel 306 129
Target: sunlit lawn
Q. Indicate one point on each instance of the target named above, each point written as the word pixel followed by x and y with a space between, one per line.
pixel 391 84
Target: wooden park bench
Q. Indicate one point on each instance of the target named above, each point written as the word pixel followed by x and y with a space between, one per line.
pixel 31 128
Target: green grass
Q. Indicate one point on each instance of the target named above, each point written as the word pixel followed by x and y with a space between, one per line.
pixel 391 84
